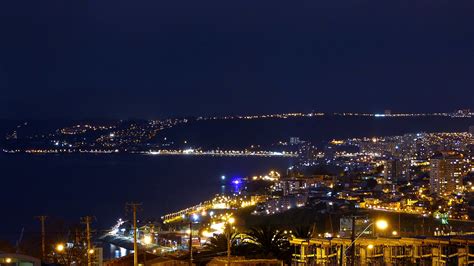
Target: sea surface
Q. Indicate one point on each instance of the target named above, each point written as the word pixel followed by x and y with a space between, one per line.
pixel 67 187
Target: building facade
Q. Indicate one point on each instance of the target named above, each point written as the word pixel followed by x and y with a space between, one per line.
pixel 383 251
pixel 395 170
pixel 446 172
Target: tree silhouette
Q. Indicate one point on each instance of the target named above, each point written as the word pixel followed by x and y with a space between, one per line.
pixel 218 243
pixel 269 242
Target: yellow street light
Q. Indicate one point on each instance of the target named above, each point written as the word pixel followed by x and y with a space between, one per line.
pixel 370 246
pixel 147 240
pixel 381 224
pixel 59 247
pixel 91 251
pixel 231 220
pixel 8 260
pixel 394 233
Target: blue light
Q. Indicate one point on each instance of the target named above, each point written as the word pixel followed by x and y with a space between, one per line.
pixel 195 217
pixel 223 177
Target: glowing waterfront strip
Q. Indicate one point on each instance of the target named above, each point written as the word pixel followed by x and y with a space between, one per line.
pixel 223 153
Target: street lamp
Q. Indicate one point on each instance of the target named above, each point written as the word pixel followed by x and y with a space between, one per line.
pixel 192 218
pixel 147 240
pixel 59 247
pixel 230 222
pixel 380 224
pixel 8 260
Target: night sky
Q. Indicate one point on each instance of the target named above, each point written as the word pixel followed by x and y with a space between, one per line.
pixel 153 58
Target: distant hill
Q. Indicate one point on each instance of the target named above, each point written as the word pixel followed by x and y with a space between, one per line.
pixel 263 132
pixel 5 127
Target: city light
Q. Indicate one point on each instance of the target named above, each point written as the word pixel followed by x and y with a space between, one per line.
pixel 147 240
pixel 60 248
pixel 381 224
pixel 206 233
pixel 370 246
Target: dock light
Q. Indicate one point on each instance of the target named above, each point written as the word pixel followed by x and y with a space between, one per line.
pixel 370 246
pixel 147 240
pixel 59 247
pixel 381 224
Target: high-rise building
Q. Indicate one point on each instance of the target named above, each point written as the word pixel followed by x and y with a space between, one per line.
pixel 447 170
pixel 421 152
pixel 394 170
pixel 470 157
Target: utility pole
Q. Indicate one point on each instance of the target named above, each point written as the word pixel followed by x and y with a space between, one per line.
pixel 229 223
pixel 42 219
pixel 353 251
pixel 134 207
pixel 229 235
pixel 87 221
pixel 190 242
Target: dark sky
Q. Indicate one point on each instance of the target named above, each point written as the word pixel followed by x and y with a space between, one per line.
pixel 151 58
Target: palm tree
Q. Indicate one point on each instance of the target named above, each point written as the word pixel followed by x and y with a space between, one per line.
pixel 269 242
pixel 304 231
pixel 218 243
